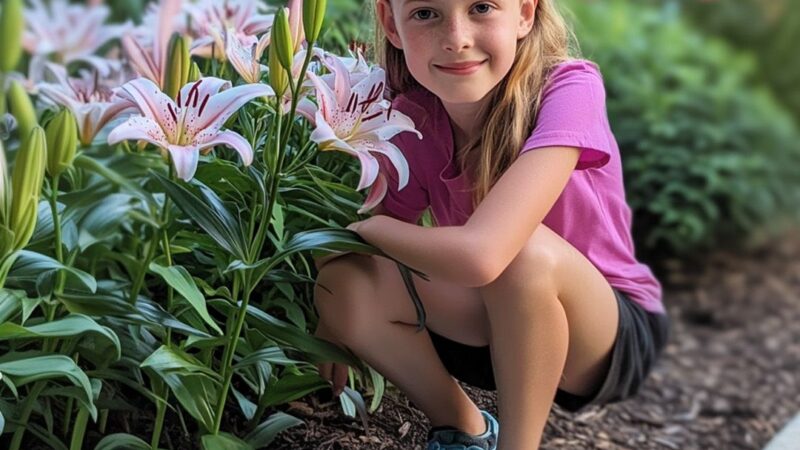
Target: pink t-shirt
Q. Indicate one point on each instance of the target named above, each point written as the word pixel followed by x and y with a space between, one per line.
pixel 591 212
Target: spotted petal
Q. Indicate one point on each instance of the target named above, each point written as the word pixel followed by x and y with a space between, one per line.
pixel 233 140
pixel 138 128
pixel 153 104
pixel 390 151
pixel 221 106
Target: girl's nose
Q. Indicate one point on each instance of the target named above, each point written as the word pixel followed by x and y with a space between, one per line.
pixel 457 35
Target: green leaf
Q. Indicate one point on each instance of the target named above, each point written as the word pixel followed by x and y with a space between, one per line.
pixel 10 303
pixel 317 349
pixel 210 213
pixel 24 368
pixel 196 393
pixel 378 386
pixel 178 277
pixel 224 441
pixel 122 441
pixel 272 355
pixel 34 267
pixel 291 387
pixel 265 433
pixel 71 325
pixel 168 360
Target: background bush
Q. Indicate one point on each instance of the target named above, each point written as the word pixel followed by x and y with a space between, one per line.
pixel 708 154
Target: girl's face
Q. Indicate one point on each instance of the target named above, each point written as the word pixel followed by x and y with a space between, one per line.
pixel 457 49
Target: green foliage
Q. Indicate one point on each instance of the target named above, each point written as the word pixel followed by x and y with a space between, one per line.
pixel 708 155
pixel 769 30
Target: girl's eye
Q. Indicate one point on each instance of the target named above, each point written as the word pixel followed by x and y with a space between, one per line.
pixel 422 14
pixel 483 8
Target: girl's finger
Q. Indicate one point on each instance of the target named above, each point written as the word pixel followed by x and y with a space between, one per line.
pixel 325 370
pixel 340 374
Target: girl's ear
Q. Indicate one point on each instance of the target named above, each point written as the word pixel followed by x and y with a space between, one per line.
pixel 527 15
pixel 386 17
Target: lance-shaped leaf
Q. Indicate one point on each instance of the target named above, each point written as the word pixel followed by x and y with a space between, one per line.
pixel 266 432
pixel 34 267
pixel 171 360
pixel 291 387
pixel 23 368
pixel 178 277
pixel 224 441
pixel 208 211
pixel 122 441
pixel 71 325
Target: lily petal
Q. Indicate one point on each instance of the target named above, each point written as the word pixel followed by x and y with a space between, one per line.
pixel 221 106
pixel 381 129
pixel 138 128
pixel 369 169
pixel 153 104
pixel 392 152
pixel 376 194
pixel 185 159
pixel 233 140
pixel 307 109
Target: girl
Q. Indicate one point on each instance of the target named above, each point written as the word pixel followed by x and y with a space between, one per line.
pixel 534 287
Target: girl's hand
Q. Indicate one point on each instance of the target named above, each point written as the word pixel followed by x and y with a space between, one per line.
pixel 356 225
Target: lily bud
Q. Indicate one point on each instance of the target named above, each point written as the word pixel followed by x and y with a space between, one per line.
pixel 26 184
pixel 282 39
pixel 313 15
pixel 62 140
pixel 194 73
pixel 178 65
pixel 278 78
pixel 12 22
pixel 296 23
pixel 20 106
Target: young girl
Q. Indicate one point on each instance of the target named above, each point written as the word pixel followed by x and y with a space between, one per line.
pixel 534 287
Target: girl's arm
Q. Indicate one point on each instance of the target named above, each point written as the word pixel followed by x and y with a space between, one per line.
pixel 479 251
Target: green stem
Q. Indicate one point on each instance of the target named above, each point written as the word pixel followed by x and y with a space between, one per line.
pixel 139 281
pixel 230 351
pixel 161 411
pixel 80 429
pixel 57 233
pixel 2 93
pixel 27 407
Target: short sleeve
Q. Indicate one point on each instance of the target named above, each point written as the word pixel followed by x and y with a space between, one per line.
pixel 573 114
pixel 406 204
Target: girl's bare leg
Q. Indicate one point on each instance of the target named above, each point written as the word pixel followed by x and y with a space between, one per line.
pixel 553 320
pixel 369 311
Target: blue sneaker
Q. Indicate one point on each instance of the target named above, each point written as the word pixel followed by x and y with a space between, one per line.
pixel 451 438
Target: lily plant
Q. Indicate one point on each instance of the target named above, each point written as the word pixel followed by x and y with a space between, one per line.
pixel 190 124
pixel 71 32
pixel 353 117
pixel 90 98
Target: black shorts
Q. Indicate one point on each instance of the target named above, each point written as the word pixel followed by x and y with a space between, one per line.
pixel 641 337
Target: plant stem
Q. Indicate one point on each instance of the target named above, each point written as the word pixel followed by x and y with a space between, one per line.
pixel 139 281
pixel 27 407
pixel 80 429
pixel 228 354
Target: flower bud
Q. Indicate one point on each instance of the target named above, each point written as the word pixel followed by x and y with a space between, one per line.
pixel 178 65
pixel 12 23
pixel 278 78
pixel 62 140
pixel 282 39
pixel 313 15
pixel 296 23
pixel 20 106
pixel 26 184
pixel 194 73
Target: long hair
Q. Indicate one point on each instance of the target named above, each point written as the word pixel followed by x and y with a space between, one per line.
pixel 510 114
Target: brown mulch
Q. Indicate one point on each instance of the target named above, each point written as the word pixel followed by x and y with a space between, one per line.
pixel 729 377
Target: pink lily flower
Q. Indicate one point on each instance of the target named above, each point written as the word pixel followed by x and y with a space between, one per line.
pixel 90 98
pixel 210 19
pixel 190 125
pixel 246 57
pixel 72 32
pixel 150 62
pixel 353 117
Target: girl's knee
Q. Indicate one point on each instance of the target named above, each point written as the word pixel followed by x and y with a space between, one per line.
pixel 343 289
pixel 537 260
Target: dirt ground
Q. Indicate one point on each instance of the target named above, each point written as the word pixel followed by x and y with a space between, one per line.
pixel 729 377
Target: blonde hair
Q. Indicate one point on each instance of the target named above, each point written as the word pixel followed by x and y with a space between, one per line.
pixel 510 113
